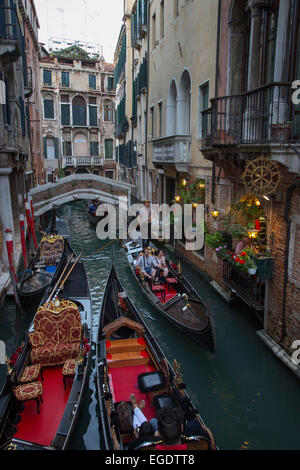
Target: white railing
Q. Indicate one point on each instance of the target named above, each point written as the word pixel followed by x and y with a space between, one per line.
pixel 173 149
pixel 83 161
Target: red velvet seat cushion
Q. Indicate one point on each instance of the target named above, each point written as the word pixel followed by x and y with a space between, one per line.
pixel 28 391
pixel 30 373
pixel 158 288
pixel 172 280
pixel 51 354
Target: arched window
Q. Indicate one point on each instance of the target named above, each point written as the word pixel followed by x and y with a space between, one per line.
pixel 171 110
pixel 184 105
pixel 108 111
pixel 79 111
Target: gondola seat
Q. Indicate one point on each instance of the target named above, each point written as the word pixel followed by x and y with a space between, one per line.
pixel 68 370
pixel 31 374
pixel 171 281
pixel 152 383
pixel 30 391
pixel 57 334
pixel 159 289
pixel 51 249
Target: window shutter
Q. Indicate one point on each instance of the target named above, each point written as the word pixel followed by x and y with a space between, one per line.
pixel 65 115
pixel 45 147
pixel 48 109
pixel 47 77
pixel 22 111
pixel 65 79
pixel 56 147
pixel 92 81
pixel 109 148
pixel 94 149
pixel 93 116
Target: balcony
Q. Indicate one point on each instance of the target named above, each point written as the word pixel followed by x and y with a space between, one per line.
pixel 248 288
pixel 265 115
pixel 173 150
pixel 10 34
pixel 83 161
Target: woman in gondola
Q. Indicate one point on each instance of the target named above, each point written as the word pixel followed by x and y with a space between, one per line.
pixel 162 268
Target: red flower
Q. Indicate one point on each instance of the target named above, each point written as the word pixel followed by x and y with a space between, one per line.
pixel 243 253
pixel 242 261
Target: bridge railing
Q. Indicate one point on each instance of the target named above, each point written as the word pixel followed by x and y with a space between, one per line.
pixel 83 161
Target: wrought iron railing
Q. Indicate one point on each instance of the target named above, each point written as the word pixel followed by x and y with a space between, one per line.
pixel 249 288
pixel 263 115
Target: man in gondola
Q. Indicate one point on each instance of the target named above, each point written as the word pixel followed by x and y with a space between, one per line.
pixel 147 264
pixel 144 219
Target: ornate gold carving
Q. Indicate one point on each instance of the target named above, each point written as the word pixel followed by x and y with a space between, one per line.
pixel 261 176
pixel 51 238
pixel 178 374
pixel 57 306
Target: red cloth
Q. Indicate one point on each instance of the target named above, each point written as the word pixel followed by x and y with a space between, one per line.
pixel 257 224
pixel 178 447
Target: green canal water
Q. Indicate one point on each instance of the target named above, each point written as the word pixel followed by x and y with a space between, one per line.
pixel 248 398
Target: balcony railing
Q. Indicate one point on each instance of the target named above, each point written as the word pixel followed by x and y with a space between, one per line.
pixel 83 161
pixel 261 116
pixel 10 33
pixel 249 288
pixel 173 150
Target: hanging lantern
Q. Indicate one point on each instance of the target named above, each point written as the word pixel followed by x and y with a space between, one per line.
pixel 177 198
pixel 252 233
pixel 214 213
pixel 184 182
pixel 194 204
pixel 257 202
pixel 202 185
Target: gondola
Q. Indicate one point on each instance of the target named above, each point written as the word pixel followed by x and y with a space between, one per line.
pixel 45 266
pixel 128 360
pixel 177 301
pixel 41 414
pixel 93 218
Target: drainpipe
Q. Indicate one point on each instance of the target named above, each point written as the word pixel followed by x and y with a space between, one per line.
pixel 213 187
pixel 287 249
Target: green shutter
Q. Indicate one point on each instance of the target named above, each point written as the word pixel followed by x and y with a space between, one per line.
pixel 47 77
pixel 45 147
pixel 65 79
pixel 65 114
pixel 92 81
pixel 56 147
pixel 93 115
pixel 48 109
pixel 109 148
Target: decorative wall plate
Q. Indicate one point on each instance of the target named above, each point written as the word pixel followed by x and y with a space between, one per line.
pixel 261 176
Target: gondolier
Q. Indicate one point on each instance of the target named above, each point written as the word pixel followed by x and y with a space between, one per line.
pixel 145 218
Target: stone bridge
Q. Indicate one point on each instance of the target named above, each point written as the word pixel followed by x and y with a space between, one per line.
pixel 75 187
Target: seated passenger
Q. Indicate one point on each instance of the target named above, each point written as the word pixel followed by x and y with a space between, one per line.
pixel 169 429
pixel 162 271
pixel 147 264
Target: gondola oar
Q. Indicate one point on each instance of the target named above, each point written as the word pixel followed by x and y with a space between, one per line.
pixel 66 277
pixel 60 278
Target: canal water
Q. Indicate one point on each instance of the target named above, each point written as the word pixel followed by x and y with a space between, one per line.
pixel 248 398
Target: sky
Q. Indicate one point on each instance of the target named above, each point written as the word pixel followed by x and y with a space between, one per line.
pixel 96 21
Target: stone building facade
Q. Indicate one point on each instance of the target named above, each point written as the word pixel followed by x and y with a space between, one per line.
pixel 252 139
pixel 35 164
pixel 78 113
pixel 14 124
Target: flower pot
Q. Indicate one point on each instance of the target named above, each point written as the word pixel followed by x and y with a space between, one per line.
pixel 252 271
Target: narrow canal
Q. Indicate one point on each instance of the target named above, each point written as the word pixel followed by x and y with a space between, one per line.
pixel 244 394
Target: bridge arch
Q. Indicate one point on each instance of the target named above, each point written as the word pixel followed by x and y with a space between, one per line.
pixel 78 187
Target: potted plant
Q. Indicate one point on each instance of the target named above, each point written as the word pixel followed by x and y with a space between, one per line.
pixel 251 266
pixel 265 265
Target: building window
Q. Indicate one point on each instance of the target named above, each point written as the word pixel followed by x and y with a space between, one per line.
pixel 108 111
pixel 154 31
pixel 65 110
pixel 92 81
pixel 152 122
pixel 67 147
pixel 48 108
pixel 160 118
pixel 110 83
pixel 109 174
pixel 47 77
pixel 108 146
pixel 93 113
pixel 65 80
pixel 94 149
pixel 162 18
pixel 203 106
pixel 50 148
pixel 79 111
